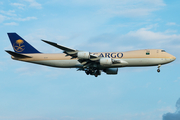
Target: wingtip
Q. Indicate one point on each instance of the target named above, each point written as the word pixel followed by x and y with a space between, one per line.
pixel 43 40
pixel 46 41
pixel 49 42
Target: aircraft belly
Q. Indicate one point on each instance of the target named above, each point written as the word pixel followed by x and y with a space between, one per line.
pixel 127 62
pixel 145 61
pixel 59 63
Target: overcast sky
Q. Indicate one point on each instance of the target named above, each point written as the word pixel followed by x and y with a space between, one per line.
pixel 34 92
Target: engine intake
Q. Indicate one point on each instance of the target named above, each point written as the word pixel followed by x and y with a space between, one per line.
pixel 83 55
pixel 105 61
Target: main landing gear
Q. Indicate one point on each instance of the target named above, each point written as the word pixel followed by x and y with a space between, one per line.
pixel 158 70
pixel 93 72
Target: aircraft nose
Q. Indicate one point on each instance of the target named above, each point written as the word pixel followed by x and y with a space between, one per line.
pixel 173 58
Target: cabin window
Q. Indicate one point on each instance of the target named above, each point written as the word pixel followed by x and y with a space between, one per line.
pixel 163 51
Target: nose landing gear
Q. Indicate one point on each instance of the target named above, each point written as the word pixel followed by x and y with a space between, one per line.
pixel 158 70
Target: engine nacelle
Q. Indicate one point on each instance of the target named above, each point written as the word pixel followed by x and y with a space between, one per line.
pixel 83 55
pixel 111 71
pixel 105 61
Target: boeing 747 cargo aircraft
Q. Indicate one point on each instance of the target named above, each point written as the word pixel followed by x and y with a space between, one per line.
pixel 91 63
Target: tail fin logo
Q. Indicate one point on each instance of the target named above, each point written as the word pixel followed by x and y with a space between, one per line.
pixel 18 45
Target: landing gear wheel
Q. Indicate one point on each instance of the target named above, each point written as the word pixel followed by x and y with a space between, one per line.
pixel 87 72
pixel 158 70
pixel 97 72
pixel 91 72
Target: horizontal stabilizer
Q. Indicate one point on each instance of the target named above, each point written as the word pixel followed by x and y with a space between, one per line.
pixel 18 55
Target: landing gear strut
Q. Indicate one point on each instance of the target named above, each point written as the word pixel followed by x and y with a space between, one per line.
pixel 87 72
pixel 97 72
pixel 94 72
pixel 158 70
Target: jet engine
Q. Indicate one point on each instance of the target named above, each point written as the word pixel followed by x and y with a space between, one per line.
pixel 105 61
pixel 83 55
pixel 111 71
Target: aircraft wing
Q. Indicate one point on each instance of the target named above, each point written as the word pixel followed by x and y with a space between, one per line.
pixel 71 52
pixel 87 59
pixel 59 46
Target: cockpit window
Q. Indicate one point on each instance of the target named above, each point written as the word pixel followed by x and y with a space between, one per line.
pixel 163 51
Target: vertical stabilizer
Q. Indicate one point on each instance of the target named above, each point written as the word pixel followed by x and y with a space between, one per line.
pixel 20 45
